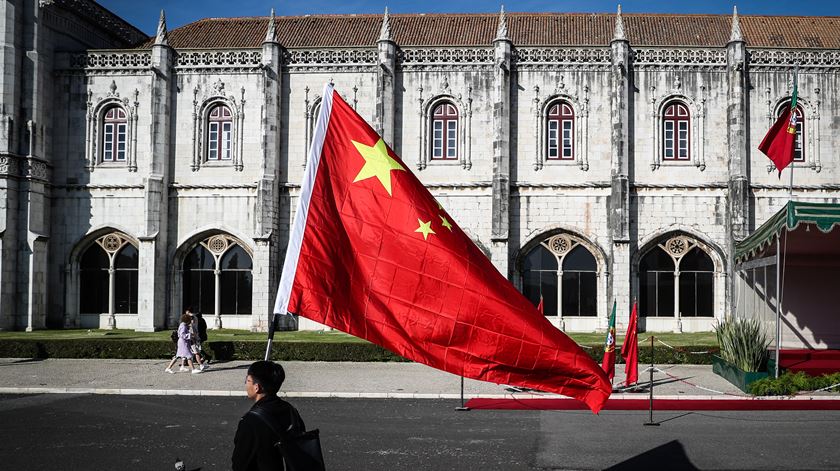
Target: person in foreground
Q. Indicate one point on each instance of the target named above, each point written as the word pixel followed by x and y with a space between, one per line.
pixel 253 445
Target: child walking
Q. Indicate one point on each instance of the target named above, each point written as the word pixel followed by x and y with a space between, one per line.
pixel 184 352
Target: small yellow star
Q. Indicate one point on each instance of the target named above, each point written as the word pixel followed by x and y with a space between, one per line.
pixel 445 223
pixel 377 163
pixel 425 229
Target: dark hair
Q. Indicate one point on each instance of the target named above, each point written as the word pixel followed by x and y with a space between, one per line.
pixel 186 318
pixel 268 375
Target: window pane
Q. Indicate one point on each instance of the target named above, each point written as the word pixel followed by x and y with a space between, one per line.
pixel 226 141
pixel 199 258
pixel 665 295
pixel 706 294
pixel 656 260
pixel 647 294
pixel 540 258
pixel 688 294
pixel 235 292
pixel 588 294
pixel 93 281
pixel 125 291
pixel 127 257
pixel 236 258
pixel 579 259
pixel 571 294
pixel 696 260
pixel 199 290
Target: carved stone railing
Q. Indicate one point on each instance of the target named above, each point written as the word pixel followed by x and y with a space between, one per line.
pixel 783 58
pixel 659 57
pixel 561 55
pixel 428 55
pixel 111 60
pixel 345 57
pixel 226 59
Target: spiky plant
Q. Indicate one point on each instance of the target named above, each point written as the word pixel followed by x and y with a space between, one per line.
pixel 742 343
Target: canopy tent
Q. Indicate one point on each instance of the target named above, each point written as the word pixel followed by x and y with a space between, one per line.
pixel 795 253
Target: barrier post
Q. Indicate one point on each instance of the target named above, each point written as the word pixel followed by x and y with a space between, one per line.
pixel 650 421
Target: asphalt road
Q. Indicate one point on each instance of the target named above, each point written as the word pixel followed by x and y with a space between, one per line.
pixel 87 432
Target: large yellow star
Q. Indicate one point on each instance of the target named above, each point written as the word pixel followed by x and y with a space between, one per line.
pixel 445 223
pixel 425 229
pixel 377 163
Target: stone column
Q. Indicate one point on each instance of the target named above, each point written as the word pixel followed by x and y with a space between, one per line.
pixel 153 282
pixel 385 84
pixel 266 255
pixel 500 233
pixel 738 222
pixel 618 285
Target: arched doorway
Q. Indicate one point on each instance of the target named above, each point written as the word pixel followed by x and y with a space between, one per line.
pixel 108 281
pixel 217 278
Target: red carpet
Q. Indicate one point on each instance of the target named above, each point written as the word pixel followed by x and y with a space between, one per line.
pixel 658 404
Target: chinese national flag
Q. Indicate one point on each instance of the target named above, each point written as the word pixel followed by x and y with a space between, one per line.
pixel 630 350
pixel 373 254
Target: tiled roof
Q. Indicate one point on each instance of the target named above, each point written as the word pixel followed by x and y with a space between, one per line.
pixel 525 29
pixel 120 29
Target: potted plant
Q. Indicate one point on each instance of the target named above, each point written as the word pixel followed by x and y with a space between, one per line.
pixel 743 351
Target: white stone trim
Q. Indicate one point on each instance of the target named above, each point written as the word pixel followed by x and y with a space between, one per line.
pixel 287 278
pixel 697 125
pixel 464 126
pixel 201 114
pixel 95 116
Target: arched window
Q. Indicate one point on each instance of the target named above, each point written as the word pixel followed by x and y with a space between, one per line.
pixel 108 277
pixel 799 149
pixel 219 133
pixel 676 137
pixel 676 279
pixel 217 277
pixel 114 135
pixel 570 291
pixel 445 132
pixel 560 132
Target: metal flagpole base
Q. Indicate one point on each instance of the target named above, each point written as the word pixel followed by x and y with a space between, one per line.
pixel 462 408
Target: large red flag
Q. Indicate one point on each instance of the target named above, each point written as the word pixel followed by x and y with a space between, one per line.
pixel 372 253
pixel 630 349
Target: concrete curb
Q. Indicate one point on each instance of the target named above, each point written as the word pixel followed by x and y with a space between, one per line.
pixel 374 395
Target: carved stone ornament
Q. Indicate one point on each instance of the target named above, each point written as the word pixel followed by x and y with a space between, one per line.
pixel 112 243
pixel 202 106
pixel 560 244
pixel 217 245
pixel 677 246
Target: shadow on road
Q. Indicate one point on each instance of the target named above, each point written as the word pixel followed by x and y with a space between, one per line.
pixel 668 456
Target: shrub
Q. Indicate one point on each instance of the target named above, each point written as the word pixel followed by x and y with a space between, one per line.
pixel 792 383
pixel 742 343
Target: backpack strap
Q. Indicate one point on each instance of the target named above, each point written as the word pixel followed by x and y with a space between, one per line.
pixel 259 413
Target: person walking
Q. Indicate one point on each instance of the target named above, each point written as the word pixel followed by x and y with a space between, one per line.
pixel 253 445
pixel 184 352
pixel 195 341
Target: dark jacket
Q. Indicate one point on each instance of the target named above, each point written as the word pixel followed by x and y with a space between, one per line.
pixel 253 446
pixel 202 329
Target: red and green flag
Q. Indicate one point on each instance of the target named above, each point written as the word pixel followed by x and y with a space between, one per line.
pixel 630 349
pixel 372 253
pixel 780 142
pixel 608 363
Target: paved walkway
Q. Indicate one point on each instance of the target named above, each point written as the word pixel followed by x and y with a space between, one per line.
pixel 323 379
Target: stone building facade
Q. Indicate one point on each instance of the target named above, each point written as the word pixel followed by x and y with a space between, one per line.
pixel 592 157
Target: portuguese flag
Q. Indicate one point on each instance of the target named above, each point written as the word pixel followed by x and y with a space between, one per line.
pixel 608 364
pixel 780 142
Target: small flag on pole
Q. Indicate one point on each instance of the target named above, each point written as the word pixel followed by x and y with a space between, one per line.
pixel 780 142
pixel 630 349
pixel 608 363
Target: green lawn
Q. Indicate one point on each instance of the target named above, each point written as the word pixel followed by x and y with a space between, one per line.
pixel 676 340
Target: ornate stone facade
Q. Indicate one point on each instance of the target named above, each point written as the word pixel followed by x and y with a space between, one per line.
pixel 619 195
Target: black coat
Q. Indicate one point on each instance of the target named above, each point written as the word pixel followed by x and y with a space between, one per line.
pixel 253 446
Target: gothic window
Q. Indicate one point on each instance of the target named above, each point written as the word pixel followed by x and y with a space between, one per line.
pixel 219 133
pixel 799 150
pixel 563 273
pixel 114 135
pixel 676 135
pixel 108 274
pixel 217 277
pixel 445 132
pixel 676 279
pixel 560 127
